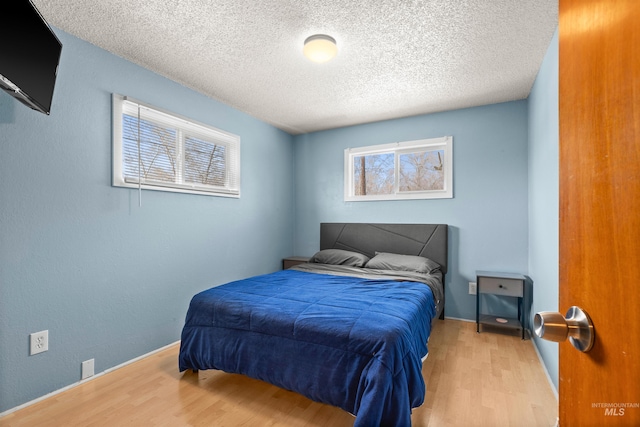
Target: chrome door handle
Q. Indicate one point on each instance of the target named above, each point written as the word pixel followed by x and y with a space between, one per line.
pixel 577 325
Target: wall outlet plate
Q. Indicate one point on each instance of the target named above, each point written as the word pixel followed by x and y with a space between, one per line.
pixel 473 289
pixel 87 368
pixel 39 342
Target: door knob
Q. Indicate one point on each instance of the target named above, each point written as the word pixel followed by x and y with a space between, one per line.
pixel 577 325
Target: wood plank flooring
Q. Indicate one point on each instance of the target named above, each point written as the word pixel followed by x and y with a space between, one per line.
pixel 485 379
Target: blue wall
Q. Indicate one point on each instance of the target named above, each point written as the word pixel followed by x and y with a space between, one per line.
pixel 108 279
pixel 544 195
pixel 488 214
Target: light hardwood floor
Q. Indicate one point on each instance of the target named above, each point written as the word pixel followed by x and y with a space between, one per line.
pixel 486 379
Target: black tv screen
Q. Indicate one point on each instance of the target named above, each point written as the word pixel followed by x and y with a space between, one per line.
pixel 29 56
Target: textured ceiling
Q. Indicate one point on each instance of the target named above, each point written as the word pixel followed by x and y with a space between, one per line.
pixel 396 57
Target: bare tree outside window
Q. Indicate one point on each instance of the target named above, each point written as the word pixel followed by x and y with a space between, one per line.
pixel 421 171
pixel 157 150
pixel 374 174
pixel 418 169
pixel 205 162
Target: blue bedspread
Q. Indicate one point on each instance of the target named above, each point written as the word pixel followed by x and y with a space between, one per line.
pixel 350 342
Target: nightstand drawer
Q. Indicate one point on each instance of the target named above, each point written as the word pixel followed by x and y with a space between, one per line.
pixel 500 286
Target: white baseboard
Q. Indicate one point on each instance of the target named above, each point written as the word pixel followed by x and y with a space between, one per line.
pixel 70 386
pixel 460 319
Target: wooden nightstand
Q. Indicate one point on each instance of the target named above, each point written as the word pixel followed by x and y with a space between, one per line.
pixel 293 260
pixel 503 285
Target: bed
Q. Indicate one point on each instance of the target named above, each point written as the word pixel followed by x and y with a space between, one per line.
pixel 350 328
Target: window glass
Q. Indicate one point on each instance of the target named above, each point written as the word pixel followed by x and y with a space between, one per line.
pixel 205 162
pixel 421 169
pixel 158 150
pixel 373 174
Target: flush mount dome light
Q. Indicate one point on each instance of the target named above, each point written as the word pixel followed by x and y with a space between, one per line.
pixel 320 48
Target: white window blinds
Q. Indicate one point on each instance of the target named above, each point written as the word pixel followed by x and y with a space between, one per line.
pixel 157 150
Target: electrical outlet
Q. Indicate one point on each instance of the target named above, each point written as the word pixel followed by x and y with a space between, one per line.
pixel 472 288
pixel 39 342
pixel 87 368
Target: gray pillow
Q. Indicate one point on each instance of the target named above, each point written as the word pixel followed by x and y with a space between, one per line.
pixel 339 257
pixel 387 261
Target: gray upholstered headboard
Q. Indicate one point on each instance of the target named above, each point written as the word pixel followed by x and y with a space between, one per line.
pixel 427 240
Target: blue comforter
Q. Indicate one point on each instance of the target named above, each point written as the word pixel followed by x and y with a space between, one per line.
pixel 351 342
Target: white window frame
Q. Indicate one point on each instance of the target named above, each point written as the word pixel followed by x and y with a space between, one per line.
pixel 183 126
pixel 397 148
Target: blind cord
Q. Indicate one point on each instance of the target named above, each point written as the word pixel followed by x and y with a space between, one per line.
pixel 139 163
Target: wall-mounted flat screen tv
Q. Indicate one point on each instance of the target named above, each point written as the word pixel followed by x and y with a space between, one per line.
pixel 29 56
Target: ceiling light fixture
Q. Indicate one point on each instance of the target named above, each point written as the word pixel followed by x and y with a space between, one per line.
pixel 320 48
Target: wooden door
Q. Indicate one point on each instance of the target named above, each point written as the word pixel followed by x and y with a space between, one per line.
pixel 599 83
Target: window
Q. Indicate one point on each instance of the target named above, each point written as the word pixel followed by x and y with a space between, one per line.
pixel 156 150
pixel 420 169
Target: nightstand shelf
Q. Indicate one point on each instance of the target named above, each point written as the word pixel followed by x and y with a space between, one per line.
pixel 501 285
pixel 293 260
pixel 506 322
